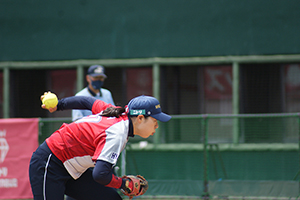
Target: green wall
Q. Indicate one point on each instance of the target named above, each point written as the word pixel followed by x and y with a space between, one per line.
pixel 96 29
pixel 230 173
pixel 254 165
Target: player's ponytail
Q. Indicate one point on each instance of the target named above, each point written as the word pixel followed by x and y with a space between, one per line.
pixel 113 112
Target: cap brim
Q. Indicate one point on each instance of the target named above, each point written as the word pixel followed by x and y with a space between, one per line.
pixel 98 75
pixel 162 117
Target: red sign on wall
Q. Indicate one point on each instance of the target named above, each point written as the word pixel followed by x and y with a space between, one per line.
pixel 139 82
pixel 63 82
pixel 218 82
pixel 292 81
pixel 18 140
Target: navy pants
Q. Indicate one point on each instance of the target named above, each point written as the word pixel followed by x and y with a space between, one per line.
pixel 51 181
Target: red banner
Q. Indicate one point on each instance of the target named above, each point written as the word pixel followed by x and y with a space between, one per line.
pixel 218 82
pixel 292 81
pixel 18 140
pixel 1 92
pixel 139 82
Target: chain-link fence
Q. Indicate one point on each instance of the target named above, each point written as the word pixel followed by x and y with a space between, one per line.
pixel 216 156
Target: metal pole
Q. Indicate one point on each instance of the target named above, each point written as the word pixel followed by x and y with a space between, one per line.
pixel 235 101
pixel 80 78
pixel 6 92
pixel 298 151
pixel 123 162
pixel 156 94
pixel 205 194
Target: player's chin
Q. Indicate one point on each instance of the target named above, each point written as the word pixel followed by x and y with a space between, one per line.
pixel 146 135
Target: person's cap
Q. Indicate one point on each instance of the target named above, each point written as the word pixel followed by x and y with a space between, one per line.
pixel 96 70
pixel 148 106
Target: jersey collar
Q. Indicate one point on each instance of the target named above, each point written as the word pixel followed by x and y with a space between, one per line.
pixel 90 91
pixel 93 93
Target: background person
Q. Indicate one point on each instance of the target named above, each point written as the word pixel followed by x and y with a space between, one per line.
pixel 95 78
pixel 60 164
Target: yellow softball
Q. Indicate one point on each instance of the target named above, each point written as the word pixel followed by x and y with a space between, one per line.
pixel 50 100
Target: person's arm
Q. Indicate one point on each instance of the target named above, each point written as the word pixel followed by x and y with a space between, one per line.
pixel 76 102
pixel 102 173
pixel 82 102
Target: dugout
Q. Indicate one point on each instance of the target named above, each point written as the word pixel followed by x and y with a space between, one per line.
pixel 179 146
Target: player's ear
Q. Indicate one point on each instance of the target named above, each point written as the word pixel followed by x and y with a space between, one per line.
pixel 140 118
pixel 87 77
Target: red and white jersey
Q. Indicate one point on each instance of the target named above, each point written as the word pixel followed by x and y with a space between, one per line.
pixel 79 144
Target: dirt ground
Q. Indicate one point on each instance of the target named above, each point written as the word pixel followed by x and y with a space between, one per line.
pixel 197 198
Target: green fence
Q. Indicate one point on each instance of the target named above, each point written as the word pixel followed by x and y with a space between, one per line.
pixel 214 155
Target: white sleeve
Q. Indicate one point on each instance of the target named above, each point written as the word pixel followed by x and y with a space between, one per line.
pixel 115 143
pixel 111 99
pixel 76 114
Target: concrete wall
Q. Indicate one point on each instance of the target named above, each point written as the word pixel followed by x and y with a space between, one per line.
pixel 95 29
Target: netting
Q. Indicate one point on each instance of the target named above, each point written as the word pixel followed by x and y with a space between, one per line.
pixel 217 156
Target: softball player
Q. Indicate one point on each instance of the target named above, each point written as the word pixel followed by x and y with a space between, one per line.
pixel 61 164
pixel 95 78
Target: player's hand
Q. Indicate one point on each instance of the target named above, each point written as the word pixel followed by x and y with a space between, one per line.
pixel 51 110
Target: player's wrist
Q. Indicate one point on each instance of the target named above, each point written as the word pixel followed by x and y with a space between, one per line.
pixel 116 182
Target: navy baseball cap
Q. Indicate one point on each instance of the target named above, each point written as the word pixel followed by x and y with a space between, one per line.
pixel 96 70
pixel 148 106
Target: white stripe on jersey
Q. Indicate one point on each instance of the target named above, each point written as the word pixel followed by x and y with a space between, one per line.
pixel 45 176
pixel 78 165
